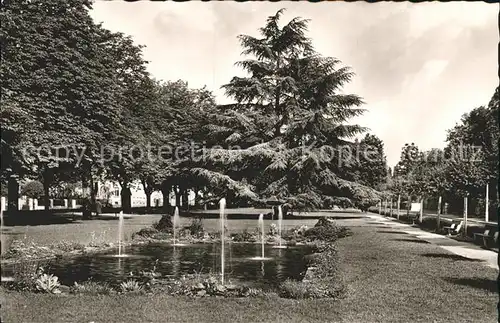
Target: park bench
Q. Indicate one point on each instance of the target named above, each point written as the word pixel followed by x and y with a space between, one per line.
pixel 414 217
pixel 488 237
pixel 454 228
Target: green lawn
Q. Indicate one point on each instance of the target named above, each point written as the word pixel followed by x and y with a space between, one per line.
pixel 396 277
pixel 392 277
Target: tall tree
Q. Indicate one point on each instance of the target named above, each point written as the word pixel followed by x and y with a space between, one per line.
pixel 51 98
pixel 372 162
pixel 472 150
pixel 137 99
pixel 291 120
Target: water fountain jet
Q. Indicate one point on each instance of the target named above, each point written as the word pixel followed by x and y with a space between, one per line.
pixel 121 247
pixel 262 234
pixel 262 239
pixel 280 225
pixel 176 221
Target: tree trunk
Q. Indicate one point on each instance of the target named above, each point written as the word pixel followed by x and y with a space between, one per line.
pixel 196 197
pixel 165 191
pixel 421 214
pixel 46 197
pixel 125 196
pixel 185 199
pixel 87 205
pixel 487 203
pixel 408 206
pixel 148 200
pixel 398 206
pixel 277 130
pixel 93 192
pixel 12 195
pixel 390 211
pixel 47 180
pixel 465 214
pixel 438 224
pixel 230 199
pixel 148 190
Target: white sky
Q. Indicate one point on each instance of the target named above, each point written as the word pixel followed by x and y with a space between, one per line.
pixel 419 67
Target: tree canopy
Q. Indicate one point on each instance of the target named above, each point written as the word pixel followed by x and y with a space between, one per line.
pixel 289 123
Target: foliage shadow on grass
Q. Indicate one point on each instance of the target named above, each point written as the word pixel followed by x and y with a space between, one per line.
pixel 391 232
pixel 45 219
pixel 489 285
pixel 450 256
pixel 412 240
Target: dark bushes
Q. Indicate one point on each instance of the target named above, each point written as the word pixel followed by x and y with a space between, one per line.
pixel 145 233
pixel 326 230
pixel 165 224
pixel 196 228
pixel 243 236
pixel 323 278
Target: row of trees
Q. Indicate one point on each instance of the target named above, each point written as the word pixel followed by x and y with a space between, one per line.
pixel 467 164
pixel 80 105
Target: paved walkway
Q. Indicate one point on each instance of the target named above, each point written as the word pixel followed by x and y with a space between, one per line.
pixel 434 215
pixel 463 249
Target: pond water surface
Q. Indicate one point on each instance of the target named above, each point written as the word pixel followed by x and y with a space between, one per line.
pixel 240 268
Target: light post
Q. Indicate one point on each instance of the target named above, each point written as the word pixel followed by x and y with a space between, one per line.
pixel 486 208
pixel 390 212
pixel 398 206
pixel 439 213
pixel 465 213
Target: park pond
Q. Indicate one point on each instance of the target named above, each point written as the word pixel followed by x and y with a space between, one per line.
pixel 242 267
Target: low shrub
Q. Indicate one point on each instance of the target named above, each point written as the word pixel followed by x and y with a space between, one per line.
pixel 67 246
pixel 205 285
pixel 165 224
pixel 33 189
pixel 131 286
pixel 161 236
pixel 30 277
pixel 196 228
pixel 323 278
pixel 23 249
pixel 48 284
pixel 296 234
pixel 91 288
pixel 326 263
pixel 244 236
pixel 25 275
pixel 273 229
pixel 326 230
pixel 148 232
pixel 318 246
pixel 320 288
pixel 302 290
pixel 148 278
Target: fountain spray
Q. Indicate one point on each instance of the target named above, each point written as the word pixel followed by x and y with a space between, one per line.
pixel 120 234
pixel 280 222
pixel 261 225
pixel 176 223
